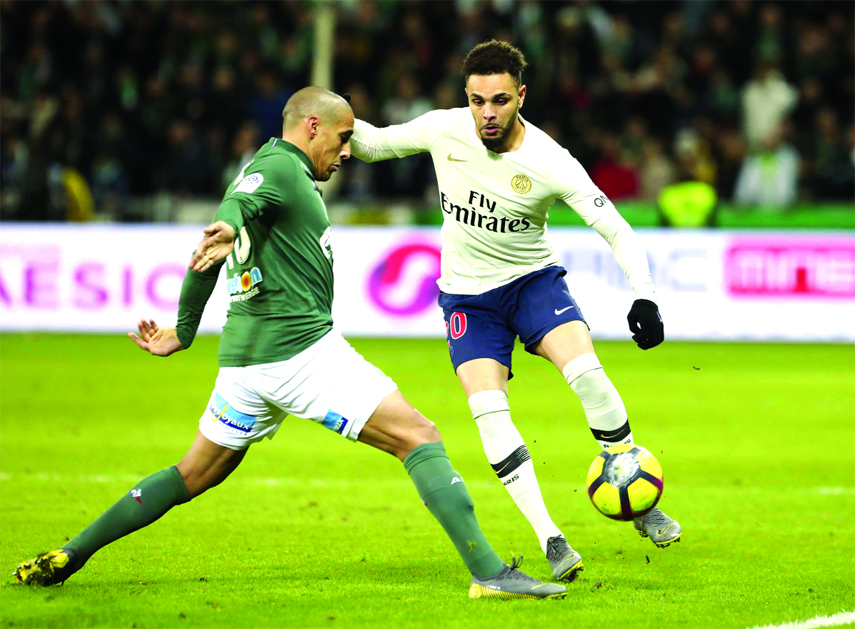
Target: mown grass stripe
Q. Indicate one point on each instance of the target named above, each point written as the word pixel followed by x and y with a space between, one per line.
pixel 403 482
pixel 843 618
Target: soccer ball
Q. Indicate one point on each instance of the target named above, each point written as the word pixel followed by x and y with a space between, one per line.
pixel 625 482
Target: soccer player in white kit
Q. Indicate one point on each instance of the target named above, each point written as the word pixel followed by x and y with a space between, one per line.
pixel 498 175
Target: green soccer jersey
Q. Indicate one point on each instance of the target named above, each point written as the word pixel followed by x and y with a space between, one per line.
pixel 280 274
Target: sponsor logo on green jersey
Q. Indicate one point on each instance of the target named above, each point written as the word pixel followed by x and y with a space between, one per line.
pixel 242 286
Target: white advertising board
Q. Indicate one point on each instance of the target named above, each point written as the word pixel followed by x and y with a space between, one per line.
pixel 714 285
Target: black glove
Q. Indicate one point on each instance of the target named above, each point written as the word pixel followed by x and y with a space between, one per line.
pixel 645 323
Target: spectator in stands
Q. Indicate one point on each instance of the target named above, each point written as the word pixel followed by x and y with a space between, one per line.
pixel 409 177
pixel 694 157
pixel 833 173
pixel 657 170
pixel 244 146
pixel 188 166
pixel 170 81
pixel 612 174
pixel 766 101
pixel 266 108
pixel 407 103
pixel 769 176
pixel 227 107
pixel 729 150
pixel 109 184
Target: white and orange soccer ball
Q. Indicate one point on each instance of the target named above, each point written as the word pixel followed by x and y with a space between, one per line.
pixel 625 482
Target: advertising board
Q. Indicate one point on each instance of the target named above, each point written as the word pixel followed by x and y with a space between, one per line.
pixel 711 285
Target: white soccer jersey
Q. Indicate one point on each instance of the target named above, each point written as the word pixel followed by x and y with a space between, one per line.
pixel 495 204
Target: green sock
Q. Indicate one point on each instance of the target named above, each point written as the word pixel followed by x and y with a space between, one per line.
pixel 444 493
pixel 146 502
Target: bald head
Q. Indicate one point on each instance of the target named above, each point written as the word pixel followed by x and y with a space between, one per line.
pixel 314 101
pixel 320 124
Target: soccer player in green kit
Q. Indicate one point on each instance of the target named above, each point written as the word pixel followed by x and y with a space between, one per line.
pixel 280 356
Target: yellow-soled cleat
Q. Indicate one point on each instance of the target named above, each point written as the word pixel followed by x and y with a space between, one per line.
pixel 48 568
pixel 565 562
pixel 511 583
pixel 661 529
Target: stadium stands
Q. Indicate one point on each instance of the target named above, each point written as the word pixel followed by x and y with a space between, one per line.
pixel 149 100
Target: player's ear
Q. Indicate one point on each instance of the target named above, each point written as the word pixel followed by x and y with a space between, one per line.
pixel 521 94
pixel 312 124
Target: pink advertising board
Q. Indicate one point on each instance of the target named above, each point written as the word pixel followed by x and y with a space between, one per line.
pixel 713 285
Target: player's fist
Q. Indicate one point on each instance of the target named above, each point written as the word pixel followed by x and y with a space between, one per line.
pixel 645 323
pixel 154 340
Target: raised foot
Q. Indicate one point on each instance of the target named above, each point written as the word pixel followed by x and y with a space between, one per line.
pixel 661 529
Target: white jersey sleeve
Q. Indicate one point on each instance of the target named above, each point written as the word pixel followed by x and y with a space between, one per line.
pixel 371 144
pixel 572 184
pixel 628 251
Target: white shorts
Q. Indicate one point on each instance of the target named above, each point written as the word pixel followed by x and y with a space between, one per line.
pixel 329 383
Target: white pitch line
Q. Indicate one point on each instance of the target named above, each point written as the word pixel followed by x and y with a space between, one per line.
pixel 392 482
pixel 836 620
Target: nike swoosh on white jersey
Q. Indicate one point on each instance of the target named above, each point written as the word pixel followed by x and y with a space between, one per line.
pixel 558 312
pixel 454 159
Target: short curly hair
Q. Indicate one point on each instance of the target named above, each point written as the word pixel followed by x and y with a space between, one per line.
pixel 494 57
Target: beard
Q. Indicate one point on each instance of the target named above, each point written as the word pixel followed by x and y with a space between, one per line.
pixel 496 142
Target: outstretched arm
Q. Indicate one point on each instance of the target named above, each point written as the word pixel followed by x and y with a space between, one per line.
pixel 644 319
pixel 195 292
pixel 628 251
pixel 375 144
pixel 247 201
pixel 575 187
pixel 204 267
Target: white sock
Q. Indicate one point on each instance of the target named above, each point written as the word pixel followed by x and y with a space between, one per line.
pixel 603 407
pixel 507 453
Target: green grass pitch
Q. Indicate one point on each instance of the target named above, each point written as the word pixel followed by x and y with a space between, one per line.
pixel 757 443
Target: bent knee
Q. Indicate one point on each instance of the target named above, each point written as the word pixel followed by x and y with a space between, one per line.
pixel 426 429
pixel 421 431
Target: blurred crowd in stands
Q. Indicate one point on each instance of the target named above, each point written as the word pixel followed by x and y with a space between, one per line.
pixel 122 100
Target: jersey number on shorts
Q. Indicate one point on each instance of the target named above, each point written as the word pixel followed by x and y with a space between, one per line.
pixel 456 325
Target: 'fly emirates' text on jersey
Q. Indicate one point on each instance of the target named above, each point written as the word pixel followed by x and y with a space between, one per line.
pixel 495 204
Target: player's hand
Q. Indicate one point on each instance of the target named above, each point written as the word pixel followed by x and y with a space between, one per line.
pixel 219 241
pixel 154 340
pixel 645 323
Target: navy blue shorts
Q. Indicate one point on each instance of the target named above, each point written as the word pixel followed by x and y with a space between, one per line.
pixel 486 325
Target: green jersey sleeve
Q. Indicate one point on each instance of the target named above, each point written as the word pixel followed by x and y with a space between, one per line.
pixel 195 292
pixel 263 186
